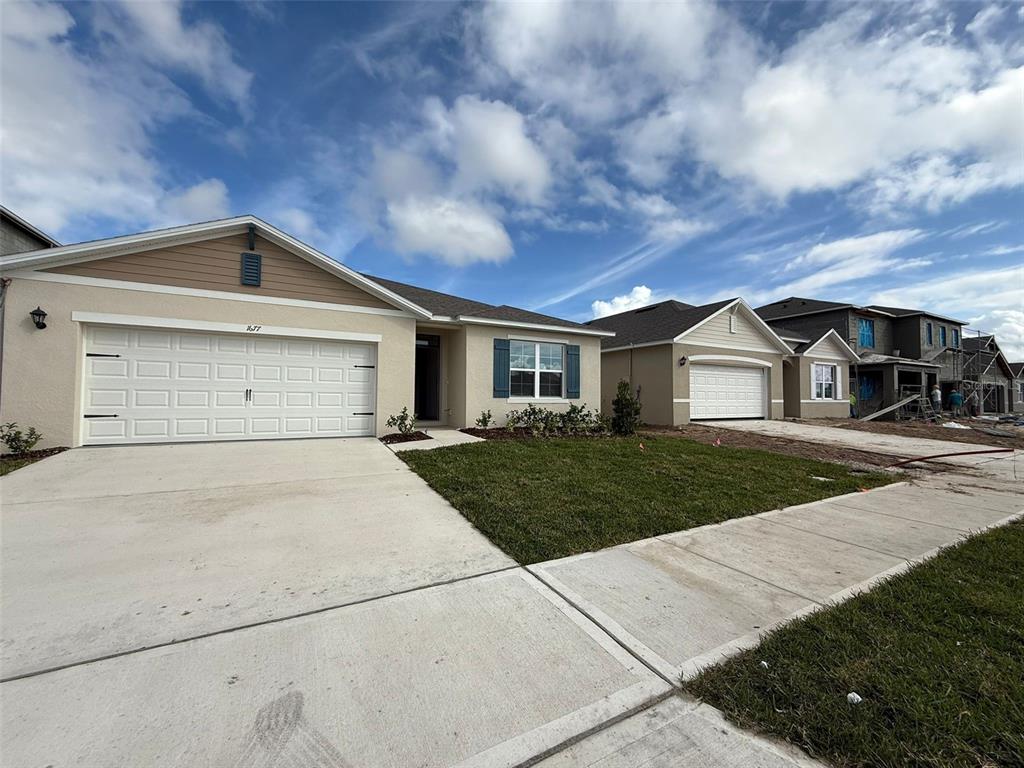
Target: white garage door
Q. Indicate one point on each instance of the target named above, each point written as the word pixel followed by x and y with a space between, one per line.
pixel 149 386
pixel 727 392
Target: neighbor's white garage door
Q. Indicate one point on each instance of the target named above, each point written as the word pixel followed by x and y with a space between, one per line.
pixel 143 386
pixel 727 392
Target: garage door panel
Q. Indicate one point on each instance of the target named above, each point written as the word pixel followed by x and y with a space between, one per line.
pixel 148 386
pixel 727 392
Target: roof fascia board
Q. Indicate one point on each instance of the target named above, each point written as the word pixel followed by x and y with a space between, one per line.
pixel 840 308
pixel 636 346
pixel 469 320
pixel 29 227
pixel 751 314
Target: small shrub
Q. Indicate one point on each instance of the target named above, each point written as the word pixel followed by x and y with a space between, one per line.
pixel 404 422
pixel 625 410
pixel 484 419
pixel 18 441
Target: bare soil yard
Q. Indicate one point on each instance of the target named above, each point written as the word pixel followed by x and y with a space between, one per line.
pixel 934 431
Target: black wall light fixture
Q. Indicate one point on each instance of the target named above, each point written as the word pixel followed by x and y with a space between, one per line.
pixel 38 317
pixel 682 361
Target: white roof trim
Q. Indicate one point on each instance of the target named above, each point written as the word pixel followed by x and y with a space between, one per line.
pixel 582 331
pixel 832 332
pixel 636 346
pixel 741 304
pixel 98 249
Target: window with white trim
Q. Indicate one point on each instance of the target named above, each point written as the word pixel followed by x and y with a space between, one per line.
pixel 536 369
pixel 824 382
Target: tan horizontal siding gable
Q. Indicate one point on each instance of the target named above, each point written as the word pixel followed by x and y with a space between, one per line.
pixel 830 348
pixel 215 265
pixel 744 334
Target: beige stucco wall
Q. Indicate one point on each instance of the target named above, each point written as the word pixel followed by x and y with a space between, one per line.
pixel 720 356
pixel 479 376
pixel 41 369
pixel 646 368
pixel 820 409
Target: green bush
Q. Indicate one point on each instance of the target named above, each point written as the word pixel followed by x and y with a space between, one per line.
pixel 484 419
pixel 575 420
pixel 403 422
pixel 625 410
pixel 16 440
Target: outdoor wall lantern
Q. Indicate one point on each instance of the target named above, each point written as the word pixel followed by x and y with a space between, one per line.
pixel 682 361
pixel 38 317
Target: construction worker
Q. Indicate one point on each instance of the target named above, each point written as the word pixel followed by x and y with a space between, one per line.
pixel 853 406
pixel 956 402
pixel 936 398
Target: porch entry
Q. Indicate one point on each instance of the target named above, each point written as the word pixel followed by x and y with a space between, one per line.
pixel 428 377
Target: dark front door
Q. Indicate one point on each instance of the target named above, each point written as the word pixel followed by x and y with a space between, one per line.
pixel 428 377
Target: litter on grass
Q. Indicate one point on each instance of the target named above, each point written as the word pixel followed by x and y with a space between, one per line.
pixel 821 479
pixel 853 697
pixel 954 425
pixel 763 665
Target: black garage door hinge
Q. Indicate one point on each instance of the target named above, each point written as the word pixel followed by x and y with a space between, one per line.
pixel 99 416
pixel 364 366
pixel 99 354
pixel 370 413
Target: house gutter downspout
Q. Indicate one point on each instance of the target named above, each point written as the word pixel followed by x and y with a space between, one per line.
pixel 5 282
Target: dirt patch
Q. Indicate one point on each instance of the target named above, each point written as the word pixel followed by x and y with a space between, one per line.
pixel 398 437
pixel 800 448
pixel 522 433
pixel 1013 437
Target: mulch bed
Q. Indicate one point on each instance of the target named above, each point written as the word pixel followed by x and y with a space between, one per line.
pixel 799 448
pixel 398 437
pixel 12 461
pixel 519 433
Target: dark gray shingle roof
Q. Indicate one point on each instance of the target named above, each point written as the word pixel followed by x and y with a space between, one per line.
pixel 795 305
pixel 446 304
pixel 657 322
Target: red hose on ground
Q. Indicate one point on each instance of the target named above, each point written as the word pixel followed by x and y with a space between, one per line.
pixel 946 455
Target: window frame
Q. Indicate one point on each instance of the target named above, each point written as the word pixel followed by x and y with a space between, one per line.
pixel 956 338
pixel 837 390
pixel 928 333
pixel 943 336
pixel 537 370
pixel 862 324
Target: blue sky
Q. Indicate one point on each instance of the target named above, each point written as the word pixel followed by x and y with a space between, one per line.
pixel 570 158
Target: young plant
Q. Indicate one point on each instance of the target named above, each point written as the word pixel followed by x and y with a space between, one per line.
pixel 484 419
pixel 625 410
pixel 404 422
pixel 16 440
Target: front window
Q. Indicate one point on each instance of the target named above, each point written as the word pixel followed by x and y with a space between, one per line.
pixel 942 335
pixel 956 338
pixel 928 329
pixel 866 332
pixel 535 369
pixel 824 382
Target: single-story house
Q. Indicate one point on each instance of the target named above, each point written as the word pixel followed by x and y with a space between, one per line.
pixel 717 361
pixel 815 378
pixel 233 329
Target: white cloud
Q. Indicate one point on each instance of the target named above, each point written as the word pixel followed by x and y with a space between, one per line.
pixel 157 32
pixel 865 247
pixel 990 300
pixel 76 129
pixel 204 201
pixel 1004 250
pixel 640 296
pixel 459 232
pixel 490 147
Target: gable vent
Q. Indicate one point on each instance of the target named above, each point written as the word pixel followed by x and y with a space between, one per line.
pixel 252 268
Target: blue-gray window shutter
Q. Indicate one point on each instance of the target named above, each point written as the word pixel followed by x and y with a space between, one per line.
pixel 501 368
pixel 251 268
pixel 572 374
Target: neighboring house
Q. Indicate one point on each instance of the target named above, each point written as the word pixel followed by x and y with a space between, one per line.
pixel 18 236
pixel 987 372
pixel 717 361
pixel 816 377
pixel 233 329
pixel 1018 387
pixel 900 351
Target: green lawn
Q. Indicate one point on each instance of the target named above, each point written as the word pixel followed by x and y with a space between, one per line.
pixel 937 654
pixel 9 465
pixel 542 499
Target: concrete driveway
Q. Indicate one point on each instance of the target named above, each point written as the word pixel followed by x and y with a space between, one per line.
pixel 107 550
